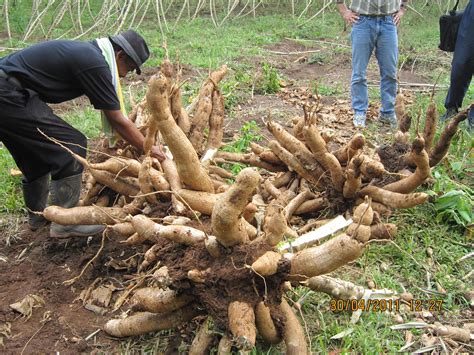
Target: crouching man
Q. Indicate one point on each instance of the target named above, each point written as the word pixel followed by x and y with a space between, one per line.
pixel 54 72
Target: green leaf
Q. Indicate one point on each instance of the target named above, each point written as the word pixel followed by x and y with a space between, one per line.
pixel 448 200
pixel 456 166
pixel 466 215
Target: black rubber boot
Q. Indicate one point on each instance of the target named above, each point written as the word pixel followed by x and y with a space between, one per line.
pixel 450 113
pixel 35 194
pixel 65 193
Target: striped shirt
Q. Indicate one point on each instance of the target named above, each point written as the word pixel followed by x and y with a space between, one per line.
pixel 375 7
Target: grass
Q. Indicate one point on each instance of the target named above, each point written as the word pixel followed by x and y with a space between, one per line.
pixel 10 190
pixel 425 257
pixel 87 120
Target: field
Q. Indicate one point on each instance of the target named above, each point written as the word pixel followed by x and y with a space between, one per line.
pixel 277 61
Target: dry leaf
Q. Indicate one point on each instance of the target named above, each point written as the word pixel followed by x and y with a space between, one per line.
pixel 46 317
pixel 428 340
pixel 26 305
pixel 96 309
pixel 426 349
pixel 102 295
pixel 409 325
pixel 15 172
pixel 117 264
pixel 5 331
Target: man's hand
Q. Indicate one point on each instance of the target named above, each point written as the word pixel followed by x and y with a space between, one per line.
pixel 397 17
pixel 350 17
pixel 130 132
pixel 157 153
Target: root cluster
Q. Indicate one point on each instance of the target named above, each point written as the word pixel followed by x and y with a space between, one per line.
pixel 214 244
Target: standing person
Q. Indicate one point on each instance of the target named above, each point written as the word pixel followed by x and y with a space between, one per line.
pixel 53 72
pixel 374 27
pixel 462 68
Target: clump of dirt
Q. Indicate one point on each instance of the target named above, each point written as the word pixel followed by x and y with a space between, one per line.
pixel 339 204
pixel 393 156
pixel 226 279
pixel 99 149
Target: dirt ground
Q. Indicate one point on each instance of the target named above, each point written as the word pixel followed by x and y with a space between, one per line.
pixel 35 264
pixel 299 74
pixel 38 265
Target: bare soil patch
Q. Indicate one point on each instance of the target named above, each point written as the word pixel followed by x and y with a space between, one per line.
pixel 324 62
pixel 38 265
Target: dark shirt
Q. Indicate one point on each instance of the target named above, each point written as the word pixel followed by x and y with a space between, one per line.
pixel 63 70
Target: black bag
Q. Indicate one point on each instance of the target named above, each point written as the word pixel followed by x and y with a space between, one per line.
pixel 448 29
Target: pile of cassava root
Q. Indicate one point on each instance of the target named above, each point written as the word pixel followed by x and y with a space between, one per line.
pixel 214 253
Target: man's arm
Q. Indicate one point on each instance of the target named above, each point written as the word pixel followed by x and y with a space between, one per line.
pixel 98 87
pixel 347 14
pixel 130 132
pixel 397 17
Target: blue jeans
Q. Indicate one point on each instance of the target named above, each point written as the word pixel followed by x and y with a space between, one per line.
pixel 379 33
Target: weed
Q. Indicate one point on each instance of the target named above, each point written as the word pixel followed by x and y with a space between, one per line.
pixel 269 80
pixel 319 58
pixel 10 226
pixel 453 184
pixel 455 205
pixel 325 90
pixel 248 133
pixel 456 200
pixel 237 87
pixel 86 120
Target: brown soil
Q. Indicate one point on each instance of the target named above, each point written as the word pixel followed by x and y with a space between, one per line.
pixel 45 263
pixel 38 265
pixel 322 61
pixel 187 73
pixel 393 156
pixel 227 278
pixel 299 76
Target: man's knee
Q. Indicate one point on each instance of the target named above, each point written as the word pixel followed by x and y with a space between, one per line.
pixel 78 144
pixel 65 164
pixel 358 76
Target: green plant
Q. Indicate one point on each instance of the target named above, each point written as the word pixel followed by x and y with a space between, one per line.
pixel 269 81
pixel 319 58
pixel 235 168
pixel 453 184
pixel 236 88
pixel 455 206
pixel 233 93
pixel 249 133
pixel 324 90
pixel 87 120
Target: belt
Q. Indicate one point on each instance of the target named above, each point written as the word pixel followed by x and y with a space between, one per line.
pixel 376 15
pixel 11 79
